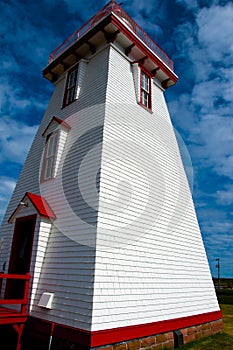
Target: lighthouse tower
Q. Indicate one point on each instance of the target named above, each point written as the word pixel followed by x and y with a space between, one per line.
pixel 101 244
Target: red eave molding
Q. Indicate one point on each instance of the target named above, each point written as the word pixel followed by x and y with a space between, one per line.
pixel 172 76
pixel 39 203
pixel 58 121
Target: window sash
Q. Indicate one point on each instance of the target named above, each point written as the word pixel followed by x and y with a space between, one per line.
pixel 70 93
pixel 145 83
pixel 50 156
pixel 145 90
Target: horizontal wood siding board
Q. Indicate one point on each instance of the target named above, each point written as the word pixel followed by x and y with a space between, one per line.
pixel 54 270
pixel 147 278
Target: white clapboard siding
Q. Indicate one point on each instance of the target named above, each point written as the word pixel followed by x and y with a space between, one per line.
pixel 68 267
pixel 40 246
pixel 64 258
pixel 150 260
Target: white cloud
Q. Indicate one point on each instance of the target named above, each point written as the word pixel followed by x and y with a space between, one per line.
pixel 208 45
pixel 12 97
pixel 215 31
pixel 225 197
pixel 15 139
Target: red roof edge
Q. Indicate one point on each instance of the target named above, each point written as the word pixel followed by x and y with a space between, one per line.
pixel 41 205
pixel 59 121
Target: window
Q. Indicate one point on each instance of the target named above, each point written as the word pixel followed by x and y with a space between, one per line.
pixel 145 90
pixel 71 87
pixel 50 155
pixel 56 134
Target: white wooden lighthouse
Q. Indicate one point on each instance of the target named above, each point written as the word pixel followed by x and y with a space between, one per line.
pixel 102 217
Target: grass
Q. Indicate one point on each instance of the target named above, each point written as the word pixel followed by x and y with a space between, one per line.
pixel 223 340
pixel 227 311
pixel 225 296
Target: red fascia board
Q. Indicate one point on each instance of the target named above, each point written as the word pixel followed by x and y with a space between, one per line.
pixel 99 338
pixel 77 44
pixel 141 46
pixel 59 121
pixel 41 205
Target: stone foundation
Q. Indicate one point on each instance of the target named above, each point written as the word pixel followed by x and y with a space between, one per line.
pixel 201 331
pixel 167 340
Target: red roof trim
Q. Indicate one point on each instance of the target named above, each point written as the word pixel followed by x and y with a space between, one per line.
pixel 59 121
pixel 142 47
pixel 111 7
pixel 41 205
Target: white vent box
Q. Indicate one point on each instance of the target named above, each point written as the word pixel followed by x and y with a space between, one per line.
pixel 46 300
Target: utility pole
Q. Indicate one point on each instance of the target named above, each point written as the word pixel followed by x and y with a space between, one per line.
pixel 218 267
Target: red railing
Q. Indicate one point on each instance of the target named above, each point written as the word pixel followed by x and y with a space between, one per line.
pixel 113 7
pixel 21 301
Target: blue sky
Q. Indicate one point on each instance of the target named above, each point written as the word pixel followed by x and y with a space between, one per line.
pixel 197 34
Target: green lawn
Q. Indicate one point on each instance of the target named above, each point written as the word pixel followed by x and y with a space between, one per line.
pixel 221 341
pixel 227 311
pixel 225 296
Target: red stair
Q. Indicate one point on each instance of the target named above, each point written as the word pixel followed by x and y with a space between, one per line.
pixel 12 317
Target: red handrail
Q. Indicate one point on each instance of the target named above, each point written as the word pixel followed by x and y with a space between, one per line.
pixel 113 7
pixel 23 301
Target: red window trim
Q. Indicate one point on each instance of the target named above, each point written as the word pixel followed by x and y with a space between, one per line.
pixel 143 70
pixel 65 103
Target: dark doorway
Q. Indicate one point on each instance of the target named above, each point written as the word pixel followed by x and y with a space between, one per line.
pixel 20 257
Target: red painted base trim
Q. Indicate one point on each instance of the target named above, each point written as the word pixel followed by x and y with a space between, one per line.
pixel 116 335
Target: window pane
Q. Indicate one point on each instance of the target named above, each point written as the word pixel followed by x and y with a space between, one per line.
pixel 145 99
pixel 52 144
pixel 50 156
pixel 72 78
pixel 145 82
pixel 71 86
pixel 71 95
pixel 49 168
pixel 145 89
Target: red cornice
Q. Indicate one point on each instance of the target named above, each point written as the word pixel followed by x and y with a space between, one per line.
pixel 143 48
pixel 111 18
